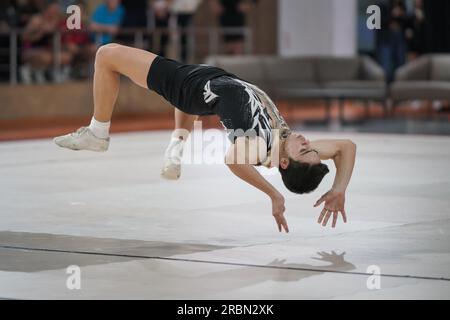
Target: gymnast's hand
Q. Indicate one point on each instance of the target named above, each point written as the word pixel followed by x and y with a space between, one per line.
pixel 334 203
pixel 278 213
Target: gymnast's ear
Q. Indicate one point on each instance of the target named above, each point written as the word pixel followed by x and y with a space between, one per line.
pixel 284 163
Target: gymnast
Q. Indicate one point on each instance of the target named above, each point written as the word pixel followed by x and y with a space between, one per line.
pixel 258 133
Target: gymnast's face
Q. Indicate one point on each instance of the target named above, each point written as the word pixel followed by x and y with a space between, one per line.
pixel 298 148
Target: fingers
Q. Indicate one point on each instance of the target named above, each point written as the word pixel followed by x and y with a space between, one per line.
pixel 318 202
pixel 344 216
pixel 286 227
pixel 322 214
pixel 327 216
pixel 335 216
pixel 282 224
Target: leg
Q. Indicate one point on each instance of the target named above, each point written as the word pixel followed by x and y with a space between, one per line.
pixel 385 59
pixel 36 61
pixel 183 124
pixel 63 72
pixel 238 47
pixel 174 153
pixel 38 58
pixel 184 20
pixel 111 61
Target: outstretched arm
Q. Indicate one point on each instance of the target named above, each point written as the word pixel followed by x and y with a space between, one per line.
pixel 343 153
pixel 249 174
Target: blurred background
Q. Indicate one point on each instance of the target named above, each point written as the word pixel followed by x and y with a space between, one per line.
pixel 318 59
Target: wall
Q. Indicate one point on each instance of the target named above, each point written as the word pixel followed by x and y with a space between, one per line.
pixel 263 21
pixel 72 100
pixel 317 27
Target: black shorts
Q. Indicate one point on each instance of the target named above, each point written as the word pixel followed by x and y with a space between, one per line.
pixel 182 84
pixel 207 90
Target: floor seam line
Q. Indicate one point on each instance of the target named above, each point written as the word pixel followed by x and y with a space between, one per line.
pixel 224 263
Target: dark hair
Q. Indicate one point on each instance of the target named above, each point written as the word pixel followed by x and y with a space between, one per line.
pixel 301 177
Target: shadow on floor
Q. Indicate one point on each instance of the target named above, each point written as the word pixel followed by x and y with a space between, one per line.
pixel 60 251
pixel 282 272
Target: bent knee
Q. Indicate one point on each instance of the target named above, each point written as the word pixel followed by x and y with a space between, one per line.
pixel 107 53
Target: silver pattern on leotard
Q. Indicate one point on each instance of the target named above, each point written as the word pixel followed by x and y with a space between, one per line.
pixel 264 113
pixel 208 95
pixel 261 120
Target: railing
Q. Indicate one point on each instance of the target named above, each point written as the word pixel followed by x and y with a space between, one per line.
pixel 141 37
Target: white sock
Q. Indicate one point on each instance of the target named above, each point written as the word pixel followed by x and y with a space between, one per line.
pixel 175 148
pixel 100 129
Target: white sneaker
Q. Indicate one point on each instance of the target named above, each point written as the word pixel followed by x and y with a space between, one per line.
pixel 172 160
pixel 82 139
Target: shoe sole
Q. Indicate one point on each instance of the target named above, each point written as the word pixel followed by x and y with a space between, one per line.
pixel 171 172
pixel 78 149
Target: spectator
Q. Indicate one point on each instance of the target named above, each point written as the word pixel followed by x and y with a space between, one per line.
pixel 391 39
pixel 78 43
pixel 135 13
pixel 184 11
pixel 66 3
pixel 416 32
pixel 106 20
pixel 27 9
pixel 38 55
pixel 231 14
pixel 135 17
pixel 8 14
pixel 8 18
pixel 161 16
